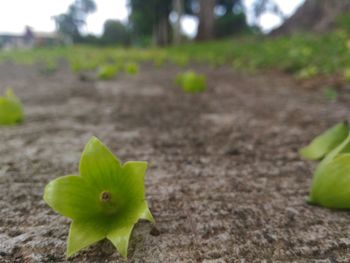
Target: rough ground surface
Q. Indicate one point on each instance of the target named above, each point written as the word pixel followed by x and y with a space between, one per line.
pixel 225 182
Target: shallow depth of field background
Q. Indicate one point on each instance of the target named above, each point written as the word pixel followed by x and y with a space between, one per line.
pixel 225 182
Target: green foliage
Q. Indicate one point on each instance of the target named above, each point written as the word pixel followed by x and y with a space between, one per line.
pixel 142 17
pixel 343 22
pixel 347 75
pixel 304 56
pixel 67 25
pixel 191 82
pixel 131 68
pixel 230 24
pixel 115 33
pixel 107 72
pixel 105 201
pixel 147 17
pixel 180 60
pixel 48 67
pixel 11 109
pixel 331 181
pixel 91 39
pixel 70 23
pixel 307 72
pixel 159 61
pixel 326 142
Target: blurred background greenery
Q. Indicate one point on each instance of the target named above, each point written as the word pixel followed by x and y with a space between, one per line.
pixel 308 38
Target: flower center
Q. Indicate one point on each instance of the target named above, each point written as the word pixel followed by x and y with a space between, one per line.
pixel 105 196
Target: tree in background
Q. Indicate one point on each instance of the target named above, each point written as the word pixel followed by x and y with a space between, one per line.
pixel 141 19
pixel 232 21
pixel 162 28
pixel 115 32
pixel 67 25
pixel 228 20
pixel 151 18
pixel 70 23
pixel 262 6
pixel 206 20
pixel 178 8
pixel 231 24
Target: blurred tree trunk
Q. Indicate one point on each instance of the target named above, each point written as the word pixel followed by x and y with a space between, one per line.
pixel 162 31
pixel 206 20
pixel 315 16
pixel 179 9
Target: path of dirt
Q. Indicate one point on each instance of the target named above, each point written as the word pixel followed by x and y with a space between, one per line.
pixel 225 183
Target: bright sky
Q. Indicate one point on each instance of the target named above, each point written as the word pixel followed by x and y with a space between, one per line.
pixel 16 14
pixel 269 21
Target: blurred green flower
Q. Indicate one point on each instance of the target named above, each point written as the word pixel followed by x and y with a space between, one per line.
pixel 11 109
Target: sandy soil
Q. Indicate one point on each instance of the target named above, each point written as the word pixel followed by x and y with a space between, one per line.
pixel 225 182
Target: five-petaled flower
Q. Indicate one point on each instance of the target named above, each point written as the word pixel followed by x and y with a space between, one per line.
pixel 104 201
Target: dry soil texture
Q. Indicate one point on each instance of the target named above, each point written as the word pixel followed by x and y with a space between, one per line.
pixel 225 182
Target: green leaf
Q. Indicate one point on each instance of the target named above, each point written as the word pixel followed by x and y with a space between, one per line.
pixel 120 239
pixel 83 233
pixel 72 197
pixel 326 142
pixel 11 110
pixel 98 165
pixel 331 185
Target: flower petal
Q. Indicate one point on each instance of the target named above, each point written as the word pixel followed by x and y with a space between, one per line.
pixel 146 214
pixel 121 228
pixel 133 183
pixel 72 197
pixel 343 148
pixel 98 165
pixel 326 142
pixel 331 184
pixel 120 239
pixel 133 180
pixel 83 233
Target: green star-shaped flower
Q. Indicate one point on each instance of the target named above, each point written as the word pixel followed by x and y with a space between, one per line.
pixel 105 201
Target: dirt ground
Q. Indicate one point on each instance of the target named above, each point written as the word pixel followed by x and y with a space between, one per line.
pixel 225 182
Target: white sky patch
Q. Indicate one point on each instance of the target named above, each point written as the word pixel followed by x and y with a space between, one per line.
pixel 288 7
pixel 16 14
pixel 106 9
pixel 189 26
pixel 269 21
